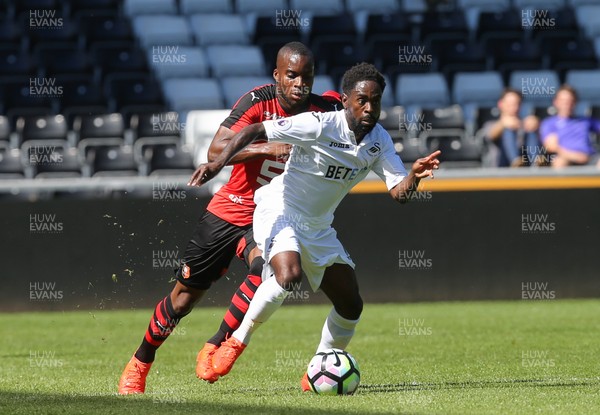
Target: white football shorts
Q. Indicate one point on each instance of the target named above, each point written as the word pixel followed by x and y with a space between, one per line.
pixel 276 232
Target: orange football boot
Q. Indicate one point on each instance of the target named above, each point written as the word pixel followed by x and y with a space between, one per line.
pixel 226 355
pixel 305 384
pixel 133 379
pixel 204 369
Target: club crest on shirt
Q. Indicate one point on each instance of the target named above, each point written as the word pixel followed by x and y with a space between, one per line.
pixel 374 149
pixel 283 124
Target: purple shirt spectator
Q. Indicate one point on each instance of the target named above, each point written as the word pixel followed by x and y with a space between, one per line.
pixel 573 132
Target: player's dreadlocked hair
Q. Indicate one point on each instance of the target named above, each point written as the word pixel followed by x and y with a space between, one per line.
pixel 295 48
pixel 361 72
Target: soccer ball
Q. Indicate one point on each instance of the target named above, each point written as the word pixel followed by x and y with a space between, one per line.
pixel 333 372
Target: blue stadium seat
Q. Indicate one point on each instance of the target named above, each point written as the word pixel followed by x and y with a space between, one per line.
pixel 322 83
pixel 219 29
pixel 186 94
pixel 372 6
pixel 498 23
pixel 12 32
pixel 480 88
pixel 317 7
pixel 178 62
pixel 586 83
pixel 425 90
pixel 56 58
pixel 577 3
pixel 260 8
pixel 597 47
pixel 162 30
pixel 442 23
pixel 537 87
pixel 109 57
pixel 588 16
pixel 190 7
pixel 235 87
pixel 15 61
pixel 539 4
pixel 73 7
pixel 387 100
pixel 413 6
pixel 134 8
pixel 132 90
pixel 103 27
pixel 227 61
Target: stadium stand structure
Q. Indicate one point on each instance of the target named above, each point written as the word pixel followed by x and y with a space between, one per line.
pixel 114 71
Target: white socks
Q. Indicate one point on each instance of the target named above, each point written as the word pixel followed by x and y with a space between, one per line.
pixel 337 331
pixel 268 298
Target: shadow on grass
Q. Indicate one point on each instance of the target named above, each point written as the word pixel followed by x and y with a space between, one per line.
pixel 476 384
pixel 16 403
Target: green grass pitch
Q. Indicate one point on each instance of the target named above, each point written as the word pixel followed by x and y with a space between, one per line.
pixel 527 357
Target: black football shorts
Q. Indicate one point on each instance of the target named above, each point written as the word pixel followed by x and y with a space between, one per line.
pixel 210 250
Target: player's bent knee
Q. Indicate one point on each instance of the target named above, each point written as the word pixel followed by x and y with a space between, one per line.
pixel 351 309
pixel 289 278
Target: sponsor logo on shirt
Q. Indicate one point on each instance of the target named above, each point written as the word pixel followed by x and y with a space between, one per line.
pixel 338 145
pixel 341 172
pixel 236 199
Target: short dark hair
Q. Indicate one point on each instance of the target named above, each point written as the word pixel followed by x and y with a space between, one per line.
pixel 568 88
pixel 509 90
pixel 361 72
pixel 295 48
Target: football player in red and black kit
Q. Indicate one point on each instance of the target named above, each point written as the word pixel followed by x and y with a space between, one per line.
pixel 225 228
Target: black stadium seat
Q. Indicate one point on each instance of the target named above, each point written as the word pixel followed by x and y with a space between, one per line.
pixel 119 57
pixel 59 58
pixel 103 27
pixel 53 127
pixel 169 159
pixel 437 24
pixel 132 90
pixel 10 163
pixel 15 61
pixel 100 126
pixel 112 161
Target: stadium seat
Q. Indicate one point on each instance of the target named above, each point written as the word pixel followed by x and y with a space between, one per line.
pixel 386 26
pixel 12 32
pixel 588 17
pixel 577 3
pixel 334 56
pixel 537 87
pixel 40 128
pixel 492 23
pixel 339 27
pixel 68 31
pixel 425 90
pixel 56 58
pixel 235 87
pixel 480 88
pixel 190 7
pixel 55 160
pixel 586 83
pixel 413 6
pixel 539 4
pixel 372 6
pixel 566 54
pixel 74 7
pixel 317 7
pixel 185 94
pixel 442 23
pixel 219 29
pixel 126 90
pixel 111 57
pixel 79 90
pixel 103 27
pixel 485 114
pixel 444 118
pixel 111 160
pixel 390 119
pixel 134 8
pixel 170 159
pixel 162 30
pixel 10 163
pixel 156 124
pixel 455 53
pixel 5 131
pixel 225 61
pixel 178 62
pixel 260 8
pixel 457 150
pixel 270 29
pixel 323 83
pixel 99 129
pixel 387 100
pixel 14 61
pixel 514 54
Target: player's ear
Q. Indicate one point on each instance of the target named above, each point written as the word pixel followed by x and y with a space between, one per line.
pixel 345 100
pixel 275 75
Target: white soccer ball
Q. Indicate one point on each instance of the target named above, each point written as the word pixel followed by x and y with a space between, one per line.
pixel 333 372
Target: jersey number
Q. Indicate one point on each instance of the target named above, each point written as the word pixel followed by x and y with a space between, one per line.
pixel 269 170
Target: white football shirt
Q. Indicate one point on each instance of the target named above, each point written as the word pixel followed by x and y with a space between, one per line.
pixel 325 164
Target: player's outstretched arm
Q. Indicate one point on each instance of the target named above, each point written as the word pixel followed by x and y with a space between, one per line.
pixel 252 151
pixel 421 168
pixel 209 170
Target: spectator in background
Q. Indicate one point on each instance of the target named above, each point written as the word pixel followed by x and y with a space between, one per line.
pixel 516 140
pixel 567 136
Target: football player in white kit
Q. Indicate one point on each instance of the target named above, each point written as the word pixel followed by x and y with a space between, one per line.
pixel 332 152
